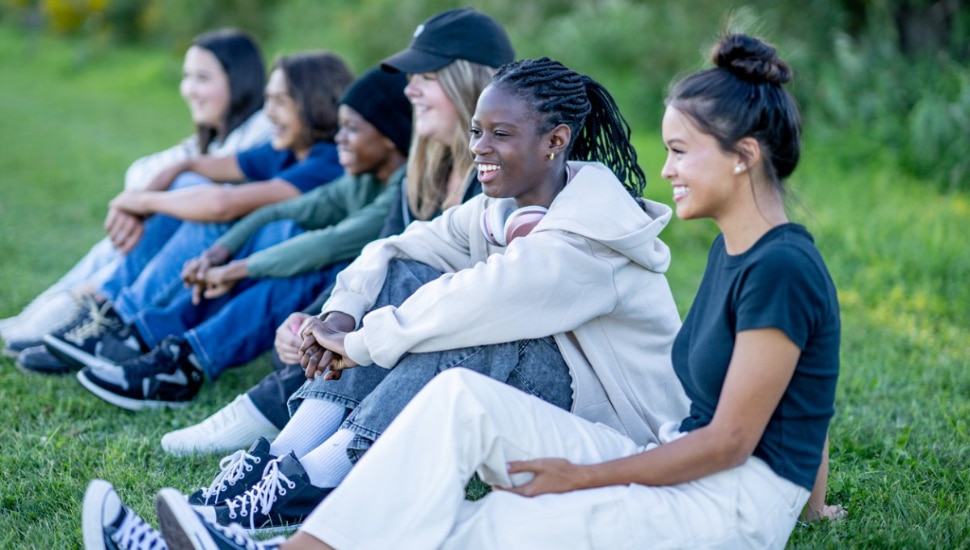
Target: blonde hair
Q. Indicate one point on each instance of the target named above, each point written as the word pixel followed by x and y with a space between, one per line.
pixel 431 163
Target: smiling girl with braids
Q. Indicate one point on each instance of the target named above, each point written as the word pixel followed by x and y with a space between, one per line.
pixel 757 356
pixel 551 281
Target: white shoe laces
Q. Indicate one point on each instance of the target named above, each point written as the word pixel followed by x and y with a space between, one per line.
pixel 262 496
pixel 135 534
pixel 232 469
pixel 93 326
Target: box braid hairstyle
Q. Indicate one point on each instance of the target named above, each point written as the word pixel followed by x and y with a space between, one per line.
pixel 562 96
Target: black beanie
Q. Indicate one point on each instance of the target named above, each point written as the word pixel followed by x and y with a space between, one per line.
pixel 379 97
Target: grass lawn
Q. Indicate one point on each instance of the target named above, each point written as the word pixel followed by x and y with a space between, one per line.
pixel 900 443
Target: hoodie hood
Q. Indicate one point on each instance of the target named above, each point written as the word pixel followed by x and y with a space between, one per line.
pixel 595 204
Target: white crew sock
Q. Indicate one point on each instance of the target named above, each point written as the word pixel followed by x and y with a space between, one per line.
pixel 328 464
pixel 313 423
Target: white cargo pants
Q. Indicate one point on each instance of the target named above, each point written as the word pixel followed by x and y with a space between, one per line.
pixel 408 490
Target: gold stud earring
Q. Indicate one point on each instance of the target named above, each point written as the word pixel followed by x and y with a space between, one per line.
pixel 552 156
pixel 738 169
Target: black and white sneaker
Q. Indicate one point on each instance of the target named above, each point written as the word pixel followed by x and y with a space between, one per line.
pixel 39 359
pixel 186 529
pixel 164 377
pixel 97 333
pixel 13 348
pixel 276 504
pixel 237 473
pixel 107 524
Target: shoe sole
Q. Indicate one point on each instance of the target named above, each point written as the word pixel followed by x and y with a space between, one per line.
pixel 39 372
pixel 180 524
pixel 92 519
pixel 65 369
pixel 128 403
pixel 70 354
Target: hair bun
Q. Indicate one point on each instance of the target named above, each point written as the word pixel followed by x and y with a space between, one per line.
pixel 751 59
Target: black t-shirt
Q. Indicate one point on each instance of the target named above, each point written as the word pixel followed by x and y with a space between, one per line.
pixel 781 282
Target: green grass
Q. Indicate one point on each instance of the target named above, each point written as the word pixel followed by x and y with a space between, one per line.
pixel 900 444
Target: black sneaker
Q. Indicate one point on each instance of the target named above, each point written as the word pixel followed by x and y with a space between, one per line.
pixel 107 524
pixel 276 504
pixel 41 361
pixel 96 334
pixel 238 472
pixel 163 377
pixel 185 529
pixel 13 348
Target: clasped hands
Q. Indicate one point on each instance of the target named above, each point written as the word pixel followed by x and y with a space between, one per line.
pixel 322 350
pixel 209 276
pixel 316 344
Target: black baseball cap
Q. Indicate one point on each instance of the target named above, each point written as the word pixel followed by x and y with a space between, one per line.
pixel 461 33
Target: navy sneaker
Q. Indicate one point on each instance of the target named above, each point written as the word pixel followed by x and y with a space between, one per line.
pixel 185 529
pixel 107 524
pixel 237 473
pixel 41 361
pixel 276 504
pixel 13 348
pixel 167 376
pixel 96 334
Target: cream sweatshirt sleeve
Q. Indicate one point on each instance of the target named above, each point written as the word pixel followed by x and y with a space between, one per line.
pixel 539 287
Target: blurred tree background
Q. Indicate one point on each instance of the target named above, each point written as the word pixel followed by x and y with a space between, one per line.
pixel 894 71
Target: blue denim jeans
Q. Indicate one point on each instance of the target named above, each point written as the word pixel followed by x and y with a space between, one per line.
pixel 235 328
pixel 376 395
pixel 149 275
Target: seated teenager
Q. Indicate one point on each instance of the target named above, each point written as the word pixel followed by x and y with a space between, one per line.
pixel 439 175
pixel 301 100
pixel 758 356
pixel 229 315
pixel 223 77
pixel 547 282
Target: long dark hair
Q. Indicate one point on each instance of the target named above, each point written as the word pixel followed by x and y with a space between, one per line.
pixel 562 96
pixel 316 81
pixel 242 61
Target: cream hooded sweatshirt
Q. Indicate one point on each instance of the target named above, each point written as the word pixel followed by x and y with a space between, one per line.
pixel 591 274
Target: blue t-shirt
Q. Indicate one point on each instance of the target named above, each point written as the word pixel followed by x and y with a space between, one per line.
pixel 781 282
pixel 265 163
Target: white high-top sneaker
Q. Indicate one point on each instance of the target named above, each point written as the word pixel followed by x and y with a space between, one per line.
pixel 232 427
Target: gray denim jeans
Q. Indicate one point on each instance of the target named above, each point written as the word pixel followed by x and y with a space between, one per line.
pixel 376 395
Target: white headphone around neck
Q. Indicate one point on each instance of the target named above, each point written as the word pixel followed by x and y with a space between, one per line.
pixel 502 221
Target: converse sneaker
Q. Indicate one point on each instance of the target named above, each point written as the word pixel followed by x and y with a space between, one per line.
pixel 164 377
pixel 185 529
pixel 237 473
pixel 97 333
pixel 231 427
pixel 107 524
pixel 39 360
pixel 276 504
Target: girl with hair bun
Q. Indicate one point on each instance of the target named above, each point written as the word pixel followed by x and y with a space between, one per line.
pixel 757 355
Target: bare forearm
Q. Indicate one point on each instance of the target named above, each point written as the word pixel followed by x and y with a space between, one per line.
pixel 202 204
pixel 696 455
pixel 816 501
